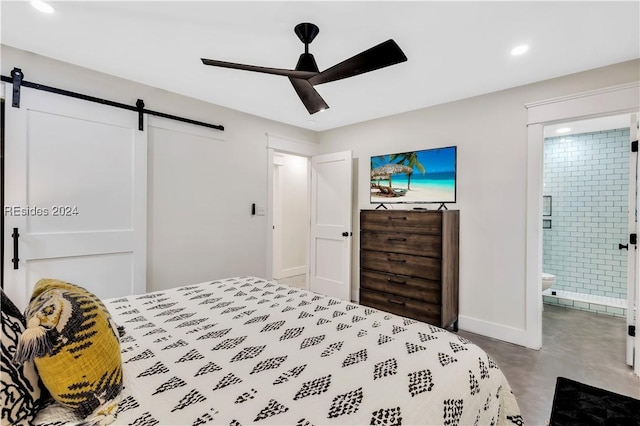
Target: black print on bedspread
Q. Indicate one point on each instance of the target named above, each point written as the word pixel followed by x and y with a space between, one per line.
pixel 244 350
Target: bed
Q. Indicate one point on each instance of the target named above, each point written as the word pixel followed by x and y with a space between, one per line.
pixel 245 351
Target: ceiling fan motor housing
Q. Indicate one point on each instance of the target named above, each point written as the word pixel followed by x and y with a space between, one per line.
pixel 307 62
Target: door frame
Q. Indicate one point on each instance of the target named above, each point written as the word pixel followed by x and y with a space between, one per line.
pixel 620 99
pixel 285 145
pixel 633 258
pixel 276 200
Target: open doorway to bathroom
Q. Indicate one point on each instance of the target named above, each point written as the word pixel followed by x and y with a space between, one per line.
pixel 290 219
pixel 586 216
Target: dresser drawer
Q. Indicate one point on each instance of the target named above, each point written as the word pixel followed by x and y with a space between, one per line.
pixel 407 243
pixel 399 285
pixel 402 221
pixel 420 311
pixel 401 264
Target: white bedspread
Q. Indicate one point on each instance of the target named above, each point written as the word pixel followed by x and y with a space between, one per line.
pixel 247 351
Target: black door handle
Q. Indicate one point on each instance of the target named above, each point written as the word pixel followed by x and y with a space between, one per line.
pixel 621 246
pixel 346 234
pixel 15 259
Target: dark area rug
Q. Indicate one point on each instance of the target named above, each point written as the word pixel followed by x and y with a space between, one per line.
pixel 575 403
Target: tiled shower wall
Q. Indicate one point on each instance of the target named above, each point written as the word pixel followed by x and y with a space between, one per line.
pixel 587 176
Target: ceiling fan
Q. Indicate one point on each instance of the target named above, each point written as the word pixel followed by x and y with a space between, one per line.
pixel 306 74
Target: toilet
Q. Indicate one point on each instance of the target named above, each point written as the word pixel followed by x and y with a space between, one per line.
pixel 547 280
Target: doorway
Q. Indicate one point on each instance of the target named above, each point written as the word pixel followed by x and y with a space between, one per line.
pixel 587 184
pixel 621 99
pixel 586 214
pixel 290 203
pixel 330 183
pixel 280 148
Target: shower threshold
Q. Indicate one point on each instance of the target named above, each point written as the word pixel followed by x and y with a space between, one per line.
pixel 593 299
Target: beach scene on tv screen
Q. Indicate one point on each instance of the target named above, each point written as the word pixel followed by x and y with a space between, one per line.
pixel 426 176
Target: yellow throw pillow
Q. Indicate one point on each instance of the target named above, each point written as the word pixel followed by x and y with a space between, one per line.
pixel 76 348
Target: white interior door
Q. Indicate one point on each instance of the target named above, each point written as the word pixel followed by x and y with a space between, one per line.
pixel 75 191
pixel 633 283
pixel 330 251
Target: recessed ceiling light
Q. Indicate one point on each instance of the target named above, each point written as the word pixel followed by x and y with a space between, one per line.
pixel 564 130
pixel 42 6
pixel 519 50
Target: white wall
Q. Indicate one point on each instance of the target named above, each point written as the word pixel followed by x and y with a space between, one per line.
pixel 491 134
pixel 200 189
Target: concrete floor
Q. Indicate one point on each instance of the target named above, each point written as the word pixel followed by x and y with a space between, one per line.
pixel 581 346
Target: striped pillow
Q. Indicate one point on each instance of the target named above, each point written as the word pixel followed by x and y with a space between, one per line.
pixel 76 348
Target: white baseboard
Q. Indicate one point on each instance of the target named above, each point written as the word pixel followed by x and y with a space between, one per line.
pixel 291 272
pixel 513 335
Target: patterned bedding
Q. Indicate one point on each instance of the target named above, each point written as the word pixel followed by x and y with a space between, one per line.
pixel 248 351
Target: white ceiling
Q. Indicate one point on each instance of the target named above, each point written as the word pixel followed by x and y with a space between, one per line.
pixel 455 49
pixel 587 126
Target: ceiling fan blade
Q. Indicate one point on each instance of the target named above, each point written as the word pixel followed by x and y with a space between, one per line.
pixel 380 56
pixel 308 95
pixel 266 70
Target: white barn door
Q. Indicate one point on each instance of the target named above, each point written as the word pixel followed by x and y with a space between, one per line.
pixel 75 192
pixel 330 252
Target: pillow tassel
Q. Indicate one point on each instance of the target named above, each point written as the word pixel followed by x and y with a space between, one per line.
pixel 98 421
pixel 33 342
pixel 105 414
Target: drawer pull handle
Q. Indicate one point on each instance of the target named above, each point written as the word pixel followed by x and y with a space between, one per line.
pixel 396 282
pixel 395 302
pixel 397 218
pixel 397 260
pixel 396 239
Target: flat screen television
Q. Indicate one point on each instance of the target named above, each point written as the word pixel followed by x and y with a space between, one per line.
pixel 425 176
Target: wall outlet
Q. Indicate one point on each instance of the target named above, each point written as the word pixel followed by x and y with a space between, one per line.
pixel 261 210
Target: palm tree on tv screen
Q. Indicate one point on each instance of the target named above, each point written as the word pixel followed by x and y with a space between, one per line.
pixel 408 159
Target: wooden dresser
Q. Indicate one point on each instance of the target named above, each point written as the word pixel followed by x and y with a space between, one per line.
pixel 409 264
